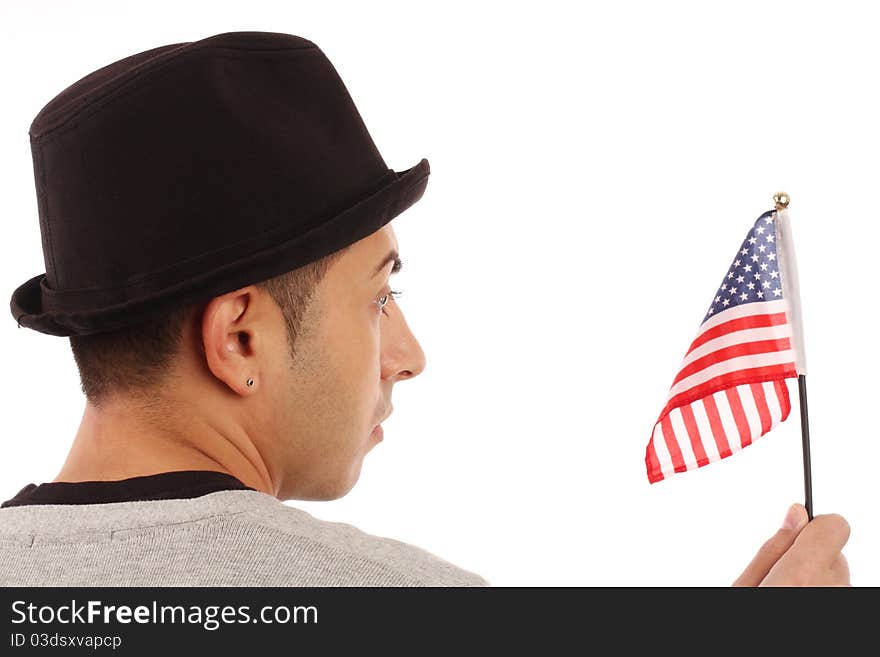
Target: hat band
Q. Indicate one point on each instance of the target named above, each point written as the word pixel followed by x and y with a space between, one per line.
pixel 249 253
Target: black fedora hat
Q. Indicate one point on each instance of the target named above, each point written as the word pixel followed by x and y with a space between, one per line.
pixel 192 169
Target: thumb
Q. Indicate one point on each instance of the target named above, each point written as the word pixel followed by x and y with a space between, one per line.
pixel 795 520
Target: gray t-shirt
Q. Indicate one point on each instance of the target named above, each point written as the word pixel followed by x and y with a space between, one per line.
pixel 195 528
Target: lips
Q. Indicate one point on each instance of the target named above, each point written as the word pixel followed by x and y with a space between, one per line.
pixel 390 411
pixel 378 431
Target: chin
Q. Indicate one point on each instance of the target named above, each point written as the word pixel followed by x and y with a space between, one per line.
pixel 334 491
pixel 348 483
pixel 331 487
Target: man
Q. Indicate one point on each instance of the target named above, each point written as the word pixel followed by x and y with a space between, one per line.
pixel 216 230
pixel 217 237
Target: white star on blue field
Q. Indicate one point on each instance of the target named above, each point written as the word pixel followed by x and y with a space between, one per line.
pixel 754 274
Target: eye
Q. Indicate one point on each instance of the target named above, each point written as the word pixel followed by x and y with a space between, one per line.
pixel 385 298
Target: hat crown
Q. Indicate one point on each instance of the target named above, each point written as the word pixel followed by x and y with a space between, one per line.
pixel 104 80
pixel 197 150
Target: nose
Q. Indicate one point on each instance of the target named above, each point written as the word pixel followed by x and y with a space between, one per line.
pixel 402 355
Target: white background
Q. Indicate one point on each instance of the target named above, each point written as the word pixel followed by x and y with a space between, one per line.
pixel 594 170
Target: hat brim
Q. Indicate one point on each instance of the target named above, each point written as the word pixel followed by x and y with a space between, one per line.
pixel 82 312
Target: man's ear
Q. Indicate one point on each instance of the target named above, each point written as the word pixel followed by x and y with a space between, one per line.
pixel 229 337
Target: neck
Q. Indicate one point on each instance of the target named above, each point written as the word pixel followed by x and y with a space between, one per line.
pixel 119 440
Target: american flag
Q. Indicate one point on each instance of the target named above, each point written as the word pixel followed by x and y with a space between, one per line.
pixel 730 389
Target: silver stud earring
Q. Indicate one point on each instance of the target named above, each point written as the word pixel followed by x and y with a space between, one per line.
pixel 250 382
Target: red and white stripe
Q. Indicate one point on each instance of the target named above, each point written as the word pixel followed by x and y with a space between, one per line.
pixel 729 391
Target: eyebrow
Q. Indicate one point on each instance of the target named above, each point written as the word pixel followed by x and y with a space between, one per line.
pixel 392 256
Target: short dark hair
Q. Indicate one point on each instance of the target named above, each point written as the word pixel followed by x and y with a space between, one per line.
pixel 136 359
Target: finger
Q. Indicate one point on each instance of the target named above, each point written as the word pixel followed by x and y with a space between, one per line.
pixel 821 540
pixel 795 521
pixel 840 572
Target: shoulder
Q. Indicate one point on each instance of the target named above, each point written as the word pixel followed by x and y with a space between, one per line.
pixel 341 551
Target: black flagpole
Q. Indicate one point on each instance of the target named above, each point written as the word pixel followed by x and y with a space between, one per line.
pixel 781 200
pixel 805 439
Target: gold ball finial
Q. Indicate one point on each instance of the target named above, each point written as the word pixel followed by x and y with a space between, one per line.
pixel 781 199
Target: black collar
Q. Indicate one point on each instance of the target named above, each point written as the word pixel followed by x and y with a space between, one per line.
pixel 161 486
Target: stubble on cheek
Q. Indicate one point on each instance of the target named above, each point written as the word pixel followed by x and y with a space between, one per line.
pixel 333 409
pixel 336 383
